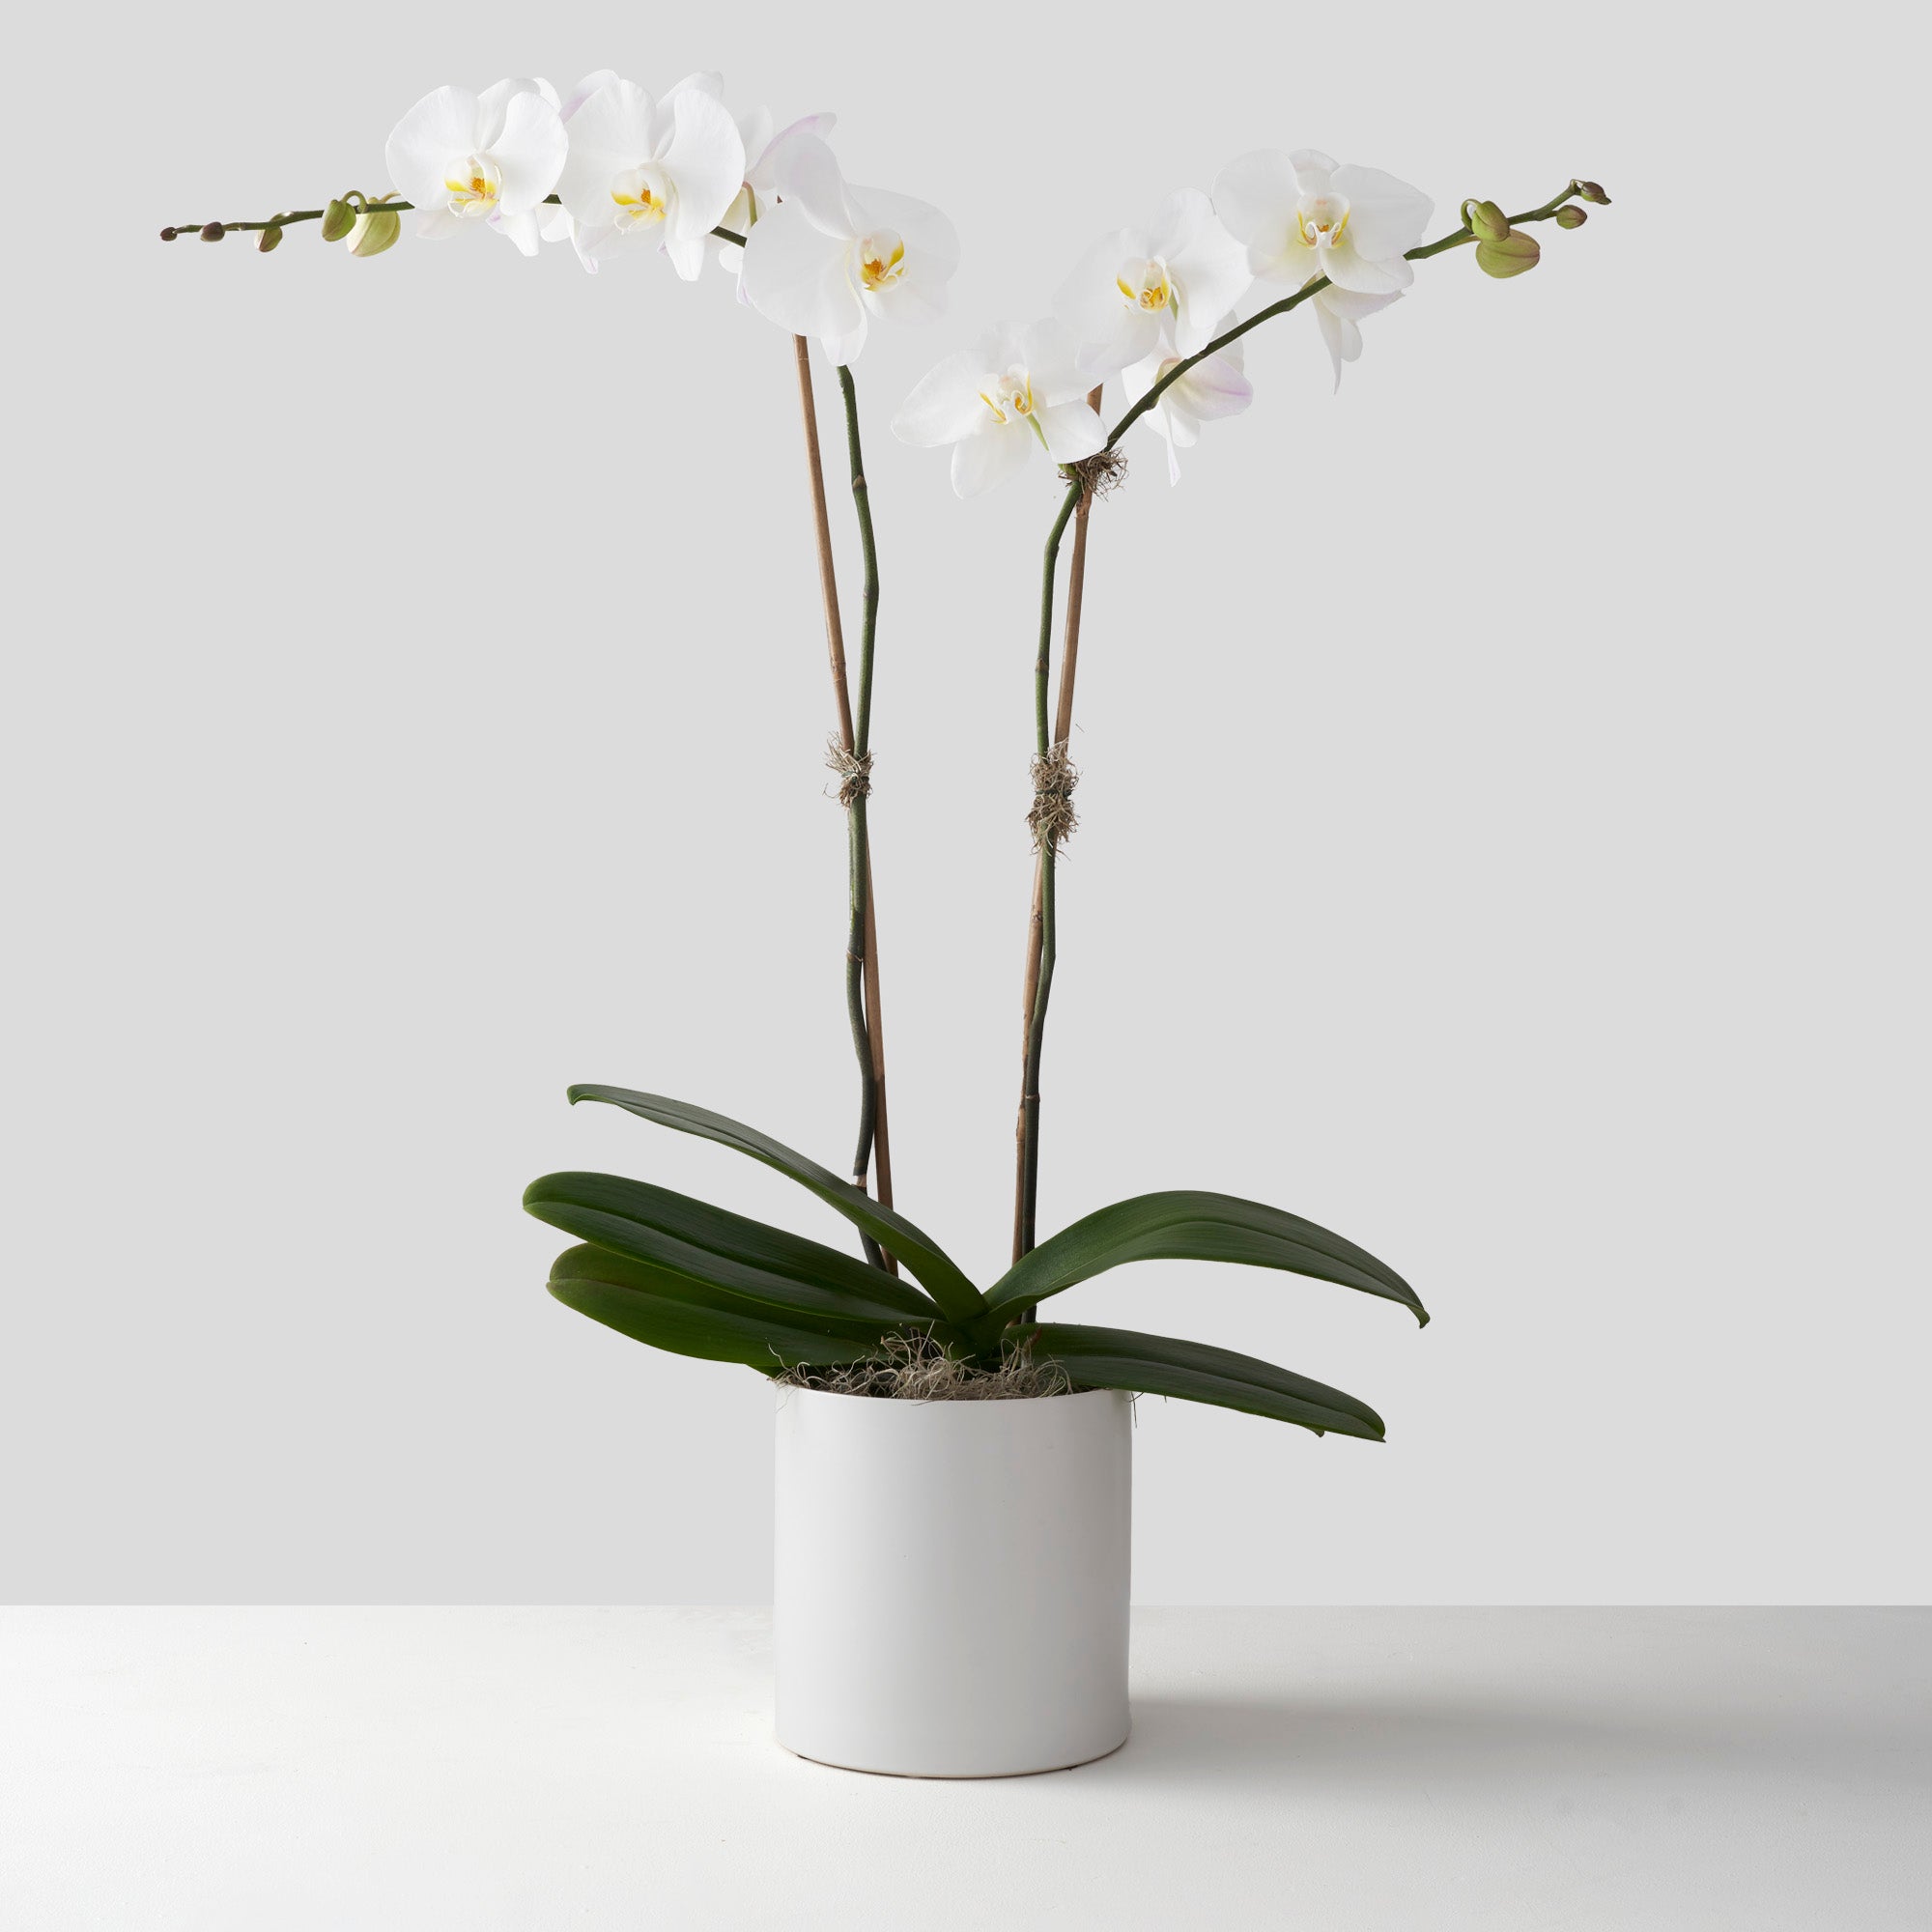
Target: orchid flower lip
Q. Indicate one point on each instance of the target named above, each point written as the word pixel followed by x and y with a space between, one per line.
pixel 475 185
pixel 641 194
pixel 1321 219
pixel 1014 391
pixel 1145 285
pixel 881 259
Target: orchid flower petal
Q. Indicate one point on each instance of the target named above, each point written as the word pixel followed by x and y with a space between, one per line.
pixel 797 277
pixel 705 159
pixel 442 124
pixel 990 457
pixel 1386 217
pixel 946 404
pixel 610 133
pixel 1072 431
pixel 522 227
pixel 529 154
pixel 590 84
pixel 808 178
pixel 1255 198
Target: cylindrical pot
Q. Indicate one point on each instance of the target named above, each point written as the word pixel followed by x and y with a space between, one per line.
pixel 950 1595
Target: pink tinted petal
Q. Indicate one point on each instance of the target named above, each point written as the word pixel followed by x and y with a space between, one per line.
pixel 809 179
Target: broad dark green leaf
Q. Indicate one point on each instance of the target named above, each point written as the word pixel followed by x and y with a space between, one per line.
pixel 1194 1227
pixel 701 1243
pixel 671 1312
pixel 917 1251
pixel 1159 1365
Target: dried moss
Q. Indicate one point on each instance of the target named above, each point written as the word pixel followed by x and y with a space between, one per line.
pixel 915 1368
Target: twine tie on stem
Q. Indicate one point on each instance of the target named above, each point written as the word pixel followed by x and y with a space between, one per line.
pixel 854 769
pixel 1052 819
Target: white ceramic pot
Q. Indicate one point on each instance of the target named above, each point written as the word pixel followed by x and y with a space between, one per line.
pixel 951 1596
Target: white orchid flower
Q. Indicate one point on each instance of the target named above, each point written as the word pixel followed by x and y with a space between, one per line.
pixel 1338 312
pixel 1214 387
pixel 666 168
pixel 488 158
pixel 827 258
pixel 1300 215
pixel 764 154
pixel 1016 389
pixel 1165 282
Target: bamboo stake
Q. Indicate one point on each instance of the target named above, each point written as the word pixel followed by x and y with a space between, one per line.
pixel 828 578
pixel 861 960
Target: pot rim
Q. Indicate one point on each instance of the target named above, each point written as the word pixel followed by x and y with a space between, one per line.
pixel 919 1402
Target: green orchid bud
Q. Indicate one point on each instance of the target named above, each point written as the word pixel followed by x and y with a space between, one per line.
pixel 1590 192
pixel 270 240
pixel 375 229
pixel 214 232
pixel 1512 254
pixel 1488 220
pixel 337 219
pixel 1569 215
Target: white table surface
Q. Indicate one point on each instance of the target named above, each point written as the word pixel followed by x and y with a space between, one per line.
pixel 278 1769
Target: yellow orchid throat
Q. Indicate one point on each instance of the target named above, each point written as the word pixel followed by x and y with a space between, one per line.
pixel 1145 286
pixel 1016 394
pixel 1321 219
pixel 881 260
pixel 473 185
pixel 641 196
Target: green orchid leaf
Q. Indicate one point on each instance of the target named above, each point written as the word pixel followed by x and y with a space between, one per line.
pixel 1194 1227
pixel 916 1251
pixel 670 1310
pixel 698 1242
pixel 1159 1365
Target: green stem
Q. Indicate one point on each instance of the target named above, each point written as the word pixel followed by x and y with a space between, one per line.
pixel 1027 1206
pixel 1456 238
pixel 870 1048
pixel 316 214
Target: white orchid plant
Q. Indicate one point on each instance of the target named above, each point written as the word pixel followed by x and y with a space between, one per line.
pixel 1159 310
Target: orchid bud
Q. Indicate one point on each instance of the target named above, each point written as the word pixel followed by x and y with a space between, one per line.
pixel 169 233
pixel 1569 215
pixel 272 239
pixel 337 219
pixel 1590 192
pixel 375 229
pixel 214 232
pixel 1488 220
pixel 1512 254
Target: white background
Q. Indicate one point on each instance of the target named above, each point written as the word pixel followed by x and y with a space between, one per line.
pixel 1503 816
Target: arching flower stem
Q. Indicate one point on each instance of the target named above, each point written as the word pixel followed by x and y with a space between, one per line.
pixel 1042 933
